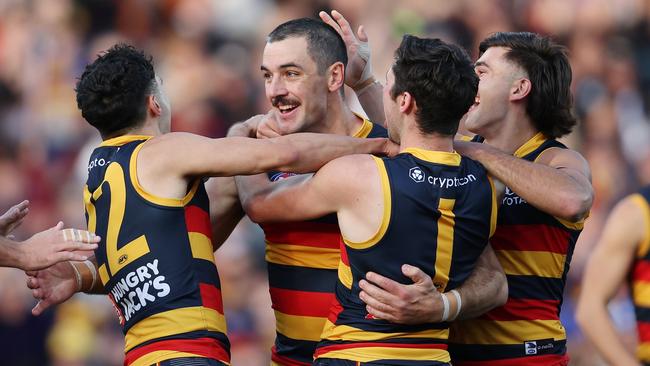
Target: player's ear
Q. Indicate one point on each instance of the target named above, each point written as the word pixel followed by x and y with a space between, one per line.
pixel 153 106
pixel 335 76
pixel 520 89
pixel 406 102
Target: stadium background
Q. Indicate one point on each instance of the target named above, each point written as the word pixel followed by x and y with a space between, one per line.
pixel 208 53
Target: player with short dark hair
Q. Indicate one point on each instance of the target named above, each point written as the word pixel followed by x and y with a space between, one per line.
pixel 145 196
pixel 427 206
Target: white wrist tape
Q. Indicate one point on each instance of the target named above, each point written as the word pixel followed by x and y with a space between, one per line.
pixel 364 52
pixel 445 307
pixel 459 302
pixel 93 271
pixel 77 276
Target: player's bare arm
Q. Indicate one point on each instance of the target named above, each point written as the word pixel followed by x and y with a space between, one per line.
pixel 420 302
pixel 358 73
pixel 605 273
pixel 225 209
pixel 558 183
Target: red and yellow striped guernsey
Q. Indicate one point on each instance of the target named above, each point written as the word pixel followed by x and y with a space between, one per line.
pixel 302 260
pixel 155 260
pixel 640 281
pixel 535 251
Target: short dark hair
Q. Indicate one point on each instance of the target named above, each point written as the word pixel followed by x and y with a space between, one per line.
pixel 550 103
pixel 112 91
pixel 324 44
pixel 441 78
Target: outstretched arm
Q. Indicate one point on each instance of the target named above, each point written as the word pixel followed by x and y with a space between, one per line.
pixel 192 155
pixel 46 248
pixel 558 183
pixel 610 262
pixel 358 73
pixel 420 302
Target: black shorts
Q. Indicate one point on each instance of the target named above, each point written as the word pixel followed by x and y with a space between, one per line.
pixel 190 361
pixel 338 362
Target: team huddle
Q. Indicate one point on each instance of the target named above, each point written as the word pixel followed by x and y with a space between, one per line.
pixel 391 240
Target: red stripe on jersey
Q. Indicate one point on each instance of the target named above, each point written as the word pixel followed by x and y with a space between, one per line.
pixel 206 347
pixel 335 310
pixel 311 234
pixel 301 303
pixel 344 254
pixel 198 221
pixel 286 361
pixel 336 347
pixel 641 271
pixel 544 360
pixel 525 309
pixel 531 238
pixel 211 297
pixel 643 329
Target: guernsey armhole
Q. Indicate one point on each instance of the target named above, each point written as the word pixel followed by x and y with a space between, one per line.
pixel 386 193
pixel 162 201
pixel 644 245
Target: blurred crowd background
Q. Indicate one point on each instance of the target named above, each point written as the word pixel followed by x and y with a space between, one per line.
pixel 208 53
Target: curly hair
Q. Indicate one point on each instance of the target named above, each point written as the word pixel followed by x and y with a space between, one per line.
pixel 112 91
pixel 441 78
pixel 550 103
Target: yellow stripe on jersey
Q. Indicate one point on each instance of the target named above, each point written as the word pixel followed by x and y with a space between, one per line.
pixel 479 331
pixel 90 210
pixel 303 256
pixel 333 332
pixel 103 274
pixel 201 246
pixel 578 225
pixel 173 322
pixel 299 327
pixel 495 208
pixel 438 157
pixel 162 201
pixel 345 275
pixel 643 352
pixel 385 186
pixel 530 145
pixel 644 245
pixel 369 354
pixel 532 263
pixel 153 358
pixel 641 292
pixel 364 130
pixel 445 242
pixel 121 140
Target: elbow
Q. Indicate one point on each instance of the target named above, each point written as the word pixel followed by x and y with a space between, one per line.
pixel 576 207
pixel 252 207
pixel 502 291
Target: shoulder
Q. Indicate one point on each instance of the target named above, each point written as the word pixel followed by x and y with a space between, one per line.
pixel 559 157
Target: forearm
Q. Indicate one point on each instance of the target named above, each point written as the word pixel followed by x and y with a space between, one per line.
pixel 225 209
pixel 485 289
pixel 313 150
pixel 372 102
pixel 547 188
pixel 597 325
pixel 10 253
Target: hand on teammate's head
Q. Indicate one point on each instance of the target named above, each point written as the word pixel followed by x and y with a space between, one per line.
pixel 358 68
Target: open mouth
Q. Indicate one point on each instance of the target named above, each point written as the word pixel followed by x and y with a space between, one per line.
pixel 286 109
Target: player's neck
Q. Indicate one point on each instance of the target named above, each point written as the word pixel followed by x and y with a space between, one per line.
pixel 340 120
pixel 511 133
pixel 412 137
